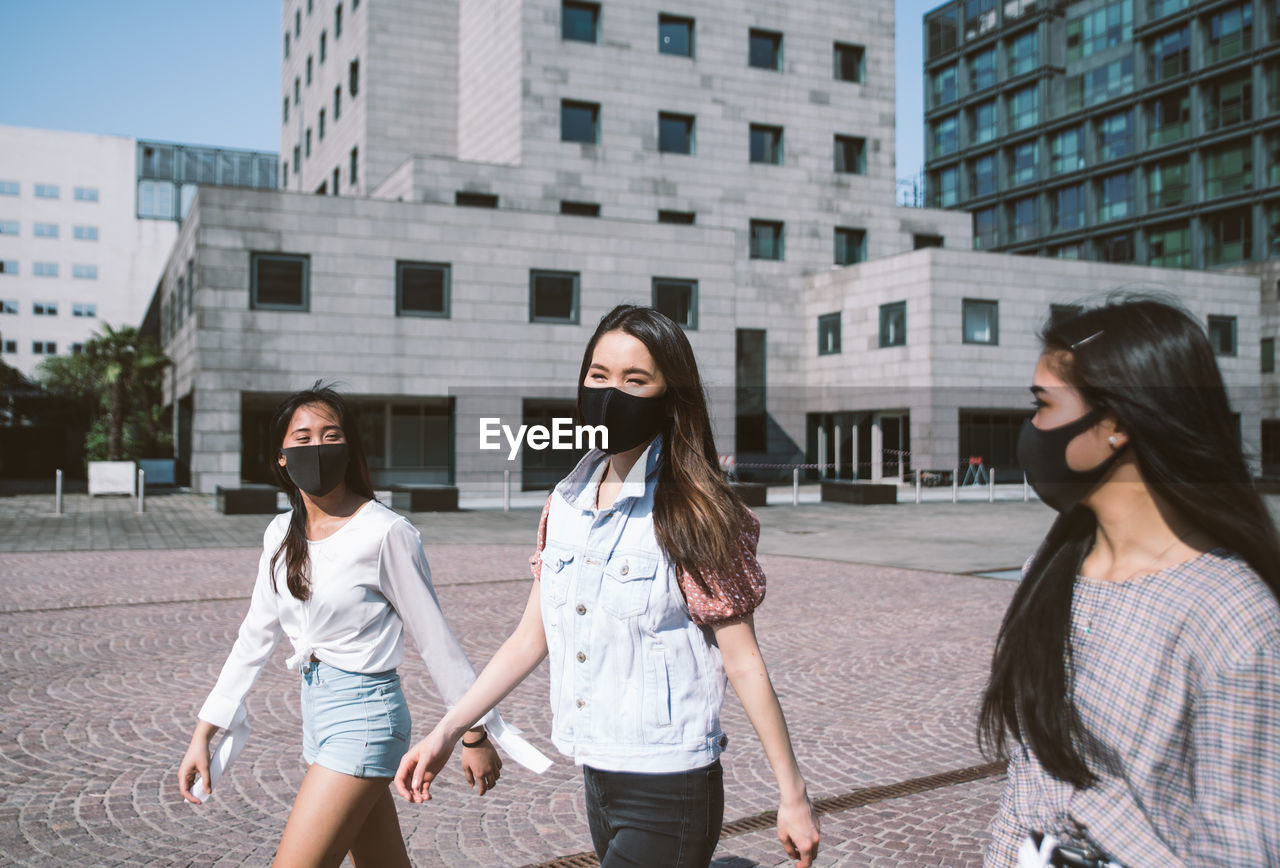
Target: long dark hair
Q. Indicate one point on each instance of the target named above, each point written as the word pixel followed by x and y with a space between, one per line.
pixel 1148 365
pixel 293 548
pixel 696 515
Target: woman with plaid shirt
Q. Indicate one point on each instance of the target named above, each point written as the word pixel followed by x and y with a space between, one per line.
pixel 1138 666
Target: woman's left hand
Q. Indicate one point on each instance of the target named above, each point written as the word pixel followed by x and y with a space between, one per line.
pixel 482 764
pixel 798 831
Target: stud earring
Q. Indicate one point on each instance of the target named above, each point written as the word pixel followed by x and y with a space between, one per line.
pixel 1112 440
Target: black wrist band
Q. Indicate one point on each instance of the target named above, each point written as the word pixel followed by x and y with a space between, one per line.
pixel 484 737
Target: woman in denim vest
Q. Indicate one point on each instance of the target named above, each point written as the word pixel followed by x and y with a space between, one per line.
pixel 645 581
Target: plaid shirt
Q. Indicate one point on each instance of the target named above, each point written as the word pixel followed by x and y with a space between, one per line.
pixel 1176 679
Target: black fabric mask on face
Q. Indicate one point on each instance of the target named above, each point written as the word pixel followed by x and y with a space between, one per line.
pixel 317 470
pixel 1043 456
pixel 629 419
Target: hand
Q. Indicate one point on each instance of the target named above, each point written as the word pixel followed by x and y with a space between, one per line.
pixel 798 831
pixel 195 762
pixel 421 765
pixel 481 764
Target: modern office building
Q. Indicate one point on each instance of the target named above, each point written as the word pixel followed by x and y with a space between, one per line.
pixel 86 223
pixel 1127 131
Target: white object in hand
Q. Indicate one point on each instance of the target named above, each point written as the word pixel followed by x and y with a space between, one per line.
pixel 1029 856
pixel 229 747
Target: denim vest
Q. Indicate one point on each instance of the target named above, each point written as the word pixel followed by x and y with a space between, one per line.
pixel 636 686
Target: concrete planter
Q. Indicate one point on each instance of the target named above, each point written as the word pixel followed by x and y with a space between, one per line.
pixel 424 498
pixel 752 493
pixel 247 500
pixel 862 493
pixel 112 477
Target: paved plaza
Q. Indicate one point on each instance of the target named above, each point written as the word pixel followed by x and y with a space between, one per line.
pixel 113 626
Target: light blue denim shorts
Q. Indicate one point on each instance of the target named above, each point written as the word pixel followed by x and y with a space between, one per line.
pixel 354 723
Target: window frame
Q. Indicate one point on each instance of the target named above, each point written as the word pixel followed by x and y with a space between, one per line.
pixel 778 144
pixel 829 325
pixel 840 146
pixel 575 315
pixel 689 123
pixel 581 105
pixel 838 52
pixel 257 256
pixel 690 284
pixel 1230 322
pixel 992 305
pixel 849 233
pixel 566 6
pixel 678 20
pixel 443 268
pixel 887 310
pixel 772 36
pixel 779 243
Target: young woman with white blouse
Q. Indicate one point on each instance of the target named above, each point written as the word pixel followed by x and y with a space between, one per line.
pixel 644 585
pixel 344 578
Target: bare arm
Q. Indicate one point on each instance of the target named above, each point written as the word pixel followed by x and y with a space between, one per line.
pixel 797 822
pixel 519 655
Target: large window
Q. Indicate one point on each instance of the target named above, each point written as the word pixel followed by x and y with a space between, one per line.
pixel 1066 206
pixel 944 187
pixel 1066 151
pixel 982 70
pixel 1023 53
pixel 1024 108
pixel 942 86
pixel 279 281
pixel 1228 32
pixel 1099 30
pixel 422 289
pixel 1115 197
pixel 675 133
pixel 1162 8
pixel 1169 54
pixel 1116 248
pixel 1228 237
pixel 982 175
pixel 982 122
pixel 1169 246
pixel 1268 365
pixel 553 296
pixel 1024 163
pixel 981 319
pixel 851 245
pixel 678 299
pixel 1228 169
pixel 766 144
pixel 1115 136
pixel 1168 184
pixel 764 49
pixel 1229 101
pixel 767 239
pixel 1168 118
pixel 829 334
pixel 579 122
pixel 851 154
pixel 1222 335
pixel 943 138
pixel 675 35
pixel 893 324
pixel 1024 218
pixel 942 29
pixel 1101 84
pixel 979 17
pixel 986 228
pixel 848 62
pixel 579 22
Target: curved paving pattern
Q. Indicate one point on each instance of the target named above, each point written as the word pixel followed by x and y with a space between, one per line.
pixel 105 656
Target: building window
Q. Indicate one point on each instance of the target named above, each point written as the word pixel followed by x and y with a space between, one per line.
pixel 1228 237
pixel 279 281
pixel 1115 197
pixel 8 188
pixel 286 110
pixel 335 180
pixel 849 62
pixel 675 133
pixel 46 230
pixel 46 191
pixel 1228 169
pixel 8 306
pixel 1067 208
pixel 1101 84
pixel 1024 108
pixel 82 194
pixel 1168 118
pixel 85 310
pixel 767 239
pixel 1169 55
pixel 579 122
pixel 678 299
pixel 287 40
pixel 1116 248
pixel 942 86
pixel 44 348
pixel 943 187
pixel 982 175
pixel 1162 8
pixel 1023 53
pixel 1272 144
pixel 944 139
pixel 579 22
pixel 84 272
pixel 829 334
pixel 1168 184
pixel 579 209
pixel 10 347
pixel 765 49
pixel 1230 102
pixel 8 266
pixel 1222 335
pixel 943 30
pixel 355 162
pixel 981 321
pixel 1169 246
pixel 297 90
pixel 297 23
pixel 680 218
pixel 422 289
pixel 1229 33
pixel 851 155
pixel 321 129
pixel 1024 218
pixel 353 77
pixel 1100 29
pixel 45 269
pixel 851 245
pixel 44 308
pixel 1268 356
pixel 982 122
pixel 307 140
pixel 766 144
pixel 986 228
pixel 893 324
pixel 1066 151
pixel 337 21
pixel 1024 163
pixel 553 296
pixel 979 18
pixel 475 200
pixel 920 241
pixel 982 70
pixel 1115 136
pixel 337 102
pixel 675 35
pixel 309 70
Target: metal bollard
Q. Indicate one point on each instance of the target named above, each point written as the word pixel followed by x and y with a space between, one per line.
pixel 142 490
pixel 795 486
pixel 955 487
pixel 991 486
pixel 1026 490
pixel 57 492
pixel 917 486
pixel 506 491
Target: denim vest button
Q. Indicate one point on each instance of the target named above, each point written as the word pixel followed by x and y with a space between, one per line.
pixel 581 702
pixel 625 569
pixel 582 610
pixel 582 658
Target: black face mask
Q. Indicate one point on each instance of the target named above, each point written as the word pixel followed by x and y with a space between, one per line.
pixel 317 470
pixel 1043 456
pixel 629 419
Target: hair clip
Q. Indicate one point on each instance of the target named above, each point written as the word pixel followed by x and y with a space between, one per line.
pixel 1078 344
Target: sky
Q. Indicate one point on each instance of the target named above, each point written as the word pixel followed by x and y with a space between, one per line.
pixel 207 73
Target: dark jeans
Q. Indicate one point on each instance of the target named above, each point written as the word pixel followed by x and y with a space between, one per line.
pixel 655 821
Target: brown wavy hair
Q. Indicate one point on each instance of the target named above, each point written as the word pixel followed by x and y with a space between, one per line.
pixel 696 515
pixel 293 548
